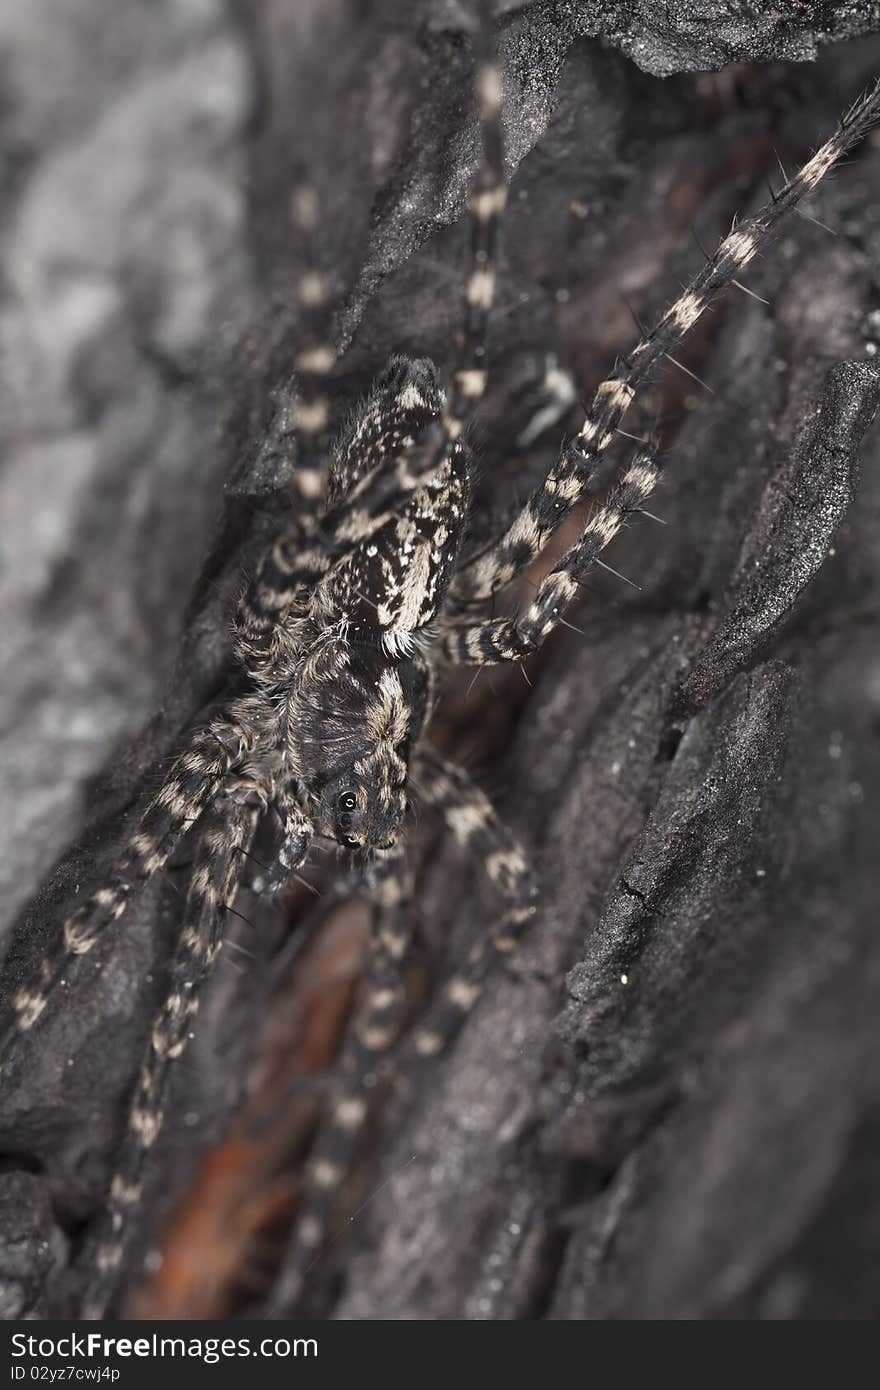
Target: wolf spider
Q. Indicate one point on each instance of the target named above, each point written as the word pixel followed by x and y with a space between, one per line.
pixel 343 634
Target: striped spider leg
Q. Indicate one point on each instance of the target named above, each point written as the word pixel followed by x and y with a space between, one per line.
pixel 223 840
pixel 567 483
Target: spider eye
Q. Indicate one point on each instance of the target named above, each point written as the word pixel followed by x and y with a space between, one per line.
pixel 347 801
pixel 351 840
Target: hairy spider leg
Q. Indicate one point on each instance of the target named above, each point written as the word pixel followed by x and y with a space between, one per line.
pixel 194 781
pixel 487 201
pixel 297 832
pixel 314 360
pixel 211 887
pixel 567 482
pixel 478 829
pixel 279 574
pixel 265 622
pixel 376 1028
pixel 512 639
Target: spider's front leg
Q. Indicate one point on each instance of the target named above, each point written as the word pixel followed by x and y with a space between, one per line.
pixel 297 833
pixel 313 361
pixel 226 836
pixel 487 202
pixel 511 639
pixel 194 781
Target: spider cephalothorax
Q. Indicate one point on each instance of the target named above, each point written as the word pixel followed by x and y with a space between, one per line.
pixel 352 614
pixel 352 727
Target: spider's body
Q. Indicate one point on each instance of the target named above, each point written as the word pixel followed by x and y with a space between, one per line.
pixel 352 614
pixel 343 675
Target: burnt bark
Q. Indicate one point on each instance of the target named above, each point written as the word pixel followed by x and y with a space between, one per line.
pixel 667 1106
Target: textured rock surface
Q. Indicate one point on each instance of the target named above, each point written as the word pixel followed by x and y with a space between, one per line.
pixel 694 778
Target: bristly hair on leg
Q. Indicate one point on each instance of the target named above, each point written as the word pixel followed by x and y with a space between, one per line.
pixel 212 884
pixel 566 484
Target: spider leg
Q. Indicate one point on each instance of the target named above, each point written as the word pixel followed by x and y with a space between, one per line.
pixel 297 832
pixel 375 1030
pixel 476 826
pixel 511 639
pixel 567 483
pixel 373 504
pixel 314 361
pixel 266 611
pixel 193 782
pixel 291 561
pixel 211 886
pixel 487 202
